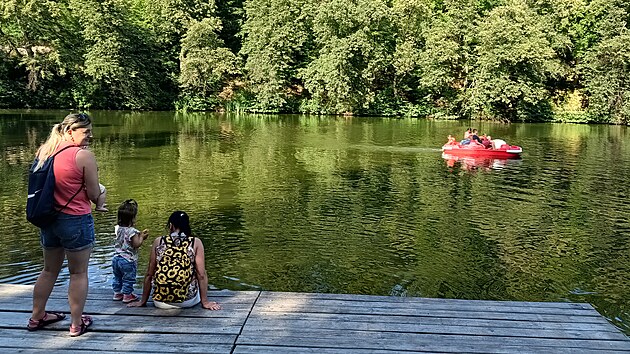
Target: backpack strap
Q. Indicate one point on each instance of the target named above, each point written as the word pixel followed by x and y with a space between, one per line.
pixel 62 149
pixel 75 194
pixel 192 261
pixel 80 188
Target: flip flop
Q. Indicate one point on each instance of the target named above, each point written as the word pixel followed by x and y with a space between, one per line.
pixel 86 322
pixel 34 325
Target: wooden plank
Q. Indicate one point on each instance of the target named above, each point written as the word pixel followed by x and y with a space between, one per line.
pixel 436 313
pixel 54 341
pixel 417 300
pixel 325 323
pixel 420 329
pixel 245 349
pixel 310 305
pixel 26 292
pixel 444 348
pixel 306 327
pixel 411 342
pixel 105 307
pixel 603 325
pixel 137 324
pixel 39 351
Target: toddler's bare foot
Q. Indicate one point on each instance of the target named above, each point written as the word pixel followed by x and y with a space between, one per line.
pixel 101 208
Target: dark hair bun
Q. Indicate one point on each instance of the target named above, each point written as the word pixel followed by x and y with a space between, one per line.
pixel 180 220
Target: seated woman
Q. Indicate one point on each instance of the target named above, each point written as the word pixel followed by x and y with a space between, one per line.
pixel 177 269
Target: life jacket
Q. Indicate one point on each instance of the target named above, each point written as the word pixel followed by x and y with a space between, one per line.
pixel 175 269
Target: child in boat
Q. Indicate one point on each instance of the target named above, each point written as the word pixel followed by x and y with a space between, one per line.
pixel 125 260
pixel 451 140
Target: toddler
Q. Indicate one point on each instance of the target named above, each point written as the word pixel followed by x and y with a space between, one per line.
pixel 125 260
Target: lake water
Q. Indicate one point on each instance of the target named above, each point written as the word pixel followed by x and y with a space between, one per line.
pixel 353 205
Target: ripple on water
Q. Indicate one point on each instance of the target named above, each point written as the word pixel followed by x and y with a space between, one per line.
pixel 359 206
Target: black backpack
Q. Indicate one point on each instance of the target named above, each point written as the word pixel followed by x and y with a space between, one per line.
pixel 40 204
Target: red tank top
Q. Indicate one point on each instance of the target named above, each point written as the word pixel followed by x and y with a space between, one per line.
pixel 69 180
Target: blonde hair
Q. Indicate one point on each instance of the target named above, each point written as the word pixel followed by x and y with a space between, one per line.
pixel 70 122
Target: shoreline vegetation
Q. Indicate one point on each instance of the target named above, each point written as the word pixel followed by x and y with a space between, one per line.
pixel 500 60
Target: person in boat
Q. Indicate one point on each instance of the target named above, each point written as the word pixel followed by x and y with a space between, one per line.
pixel 486 141
pixel 467 135
pixel 475 136
pixel 475 142
pixel 451 140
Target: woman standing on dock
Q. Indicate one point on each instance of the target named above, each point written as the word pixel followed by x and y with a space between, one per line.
pixel 71 235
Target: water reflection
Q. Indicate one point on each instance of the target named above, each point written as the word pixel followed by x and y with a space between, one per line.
pixel 469 163
pixel 360 205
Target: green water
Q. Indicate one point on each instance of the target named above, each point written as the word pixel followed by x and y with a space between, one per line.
pixel 354 205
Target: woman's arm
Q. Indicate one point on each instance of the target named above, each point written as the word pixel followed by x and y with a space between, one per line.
pixel 87 163
pixel 202 277
pixel 146 286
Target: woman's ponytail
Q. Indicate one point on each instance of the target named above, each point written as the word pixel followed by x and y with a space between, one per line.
pixel 50 146
pixel 71 121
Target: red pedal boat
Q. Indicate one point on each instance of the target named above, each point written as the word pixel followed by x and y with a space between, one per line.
pixel 505 151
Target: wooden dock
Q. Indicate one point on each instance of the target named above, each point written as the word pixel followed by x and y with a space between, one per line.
pixel 272 322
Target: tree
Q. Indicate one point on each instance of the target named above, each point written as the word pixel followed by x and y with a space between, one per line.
pixel 40 34
pixel 412 19
pixel 606 64
pixel 232 15
pixel 206 65
pixel 515 59
pixel 277 42
pixel 607 77
pixel 355 41
pixel 122 66
pixel 449 54
pixel 10 90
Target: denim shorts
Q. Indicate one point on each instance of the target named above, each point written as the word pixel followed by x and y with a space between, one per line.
pixel 72 232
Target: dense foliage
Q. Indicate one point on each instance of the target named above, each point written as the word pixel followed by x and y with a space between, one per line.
pixel 513 60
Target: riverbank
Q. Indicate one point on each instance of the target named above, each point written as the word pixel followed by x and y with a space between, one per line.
pixel 260 321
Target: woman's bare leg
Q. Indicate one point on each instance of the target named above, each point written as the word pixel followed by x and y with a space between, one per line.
pixel 78 289
pixel 53 260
